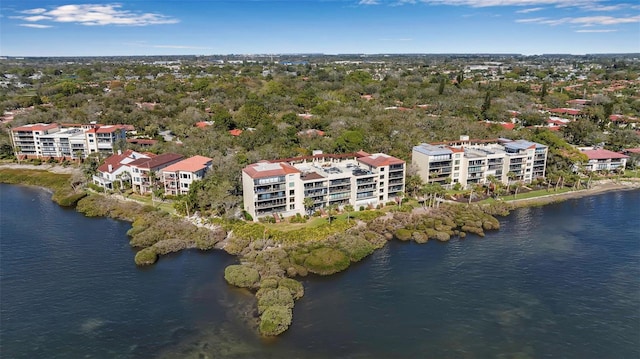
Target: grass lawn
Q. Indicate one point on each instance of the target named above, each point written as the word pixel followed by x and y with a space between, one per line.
pixel 534 194
pixel 165 206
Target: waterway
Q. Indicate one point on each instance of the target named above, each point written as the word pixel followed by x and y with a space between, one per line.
pixel 561 280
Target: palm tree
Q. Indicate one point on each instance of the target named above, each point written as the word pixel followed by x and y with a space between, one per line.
pixel 308 204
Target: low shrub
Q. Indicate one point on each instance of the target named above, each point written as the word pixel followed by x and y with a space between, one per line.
pixel 166 246
pixel 270 297
pixel 403 234
pixel 325 261
pixel 241 276
pixel 295 288
pixel 275 320
pixel 355 246
pixel 146 256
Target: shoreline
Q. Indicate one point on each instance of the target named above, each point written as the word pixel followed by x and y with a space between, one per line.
pixel 599 187
pixel 270 265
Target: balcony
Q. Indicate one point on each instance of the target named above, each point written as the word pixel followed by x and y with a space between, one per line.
pixel 339 182
pixel 315 185
pixel 272 188
pixel 396 167
pixel 396 182
pixel 340 189
pixel 270 196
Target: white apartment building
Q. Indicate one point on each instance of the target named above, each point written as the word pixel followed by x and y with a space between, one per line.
pixel 471 162
pixel 62 142
pixel 358 179
pixel 178 177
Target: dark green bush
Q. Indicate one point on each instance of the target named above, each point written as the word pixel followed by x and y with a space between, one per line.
pixel 275 320
pixel 403 234
pixel 270 297
pixel 295 288
pixel 325 261
pixel 146 256
pixel 241 276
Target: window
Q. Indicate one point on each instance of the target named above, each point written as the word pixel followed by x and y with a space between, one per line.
pixel 381 190
pixel 382 177
pixel 292 206
pixel 291 184
pixel 457 162
pixel 185 185
pixel 291 192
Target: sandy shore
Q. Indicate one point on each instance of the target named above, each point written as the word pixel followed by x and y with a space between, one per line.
pixel 43 167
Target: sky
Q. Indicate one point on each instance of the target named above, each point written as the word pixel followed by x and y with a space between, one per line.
pixel 218 27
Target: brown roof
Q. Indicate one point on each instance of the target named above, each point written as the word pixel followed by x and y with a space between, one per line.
pixel 380 160
pixel 310 176
pixel 191 164
pixel 158 161
pixel 602 154
pixel 36 127
pixel 116 161
pixel 265 169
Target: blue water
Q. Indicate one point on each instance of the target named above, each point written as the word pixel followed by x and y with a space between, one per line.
pixel 556 281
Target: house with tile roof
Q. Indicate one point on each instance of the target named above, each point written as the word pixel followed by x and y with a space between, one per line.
pixel 178 177
pixel 116 168
pixel 602 160
pixel 279 187
pixel 146 172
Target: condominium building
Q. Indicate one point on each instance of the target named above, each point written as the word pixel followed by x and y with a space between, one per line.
pixel 359 179
pixel 471 162
pixel 63 142
pixel 178 177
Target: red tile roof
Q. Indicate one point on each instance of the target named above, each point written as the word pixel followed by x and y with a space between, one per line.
pixel 36 127
pixel 379 160
pixel 191 164
pixel 266 169
pixel 116 161
pixel 157 161
pixel 602 154
pixel 632 150
pixel 566 111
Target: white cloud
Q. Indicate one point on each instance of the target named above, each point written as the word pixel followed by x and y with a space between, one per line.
pixel 533 20
pixel 96 15
pixel 609 30
pixel 35 18
pixel 526 11
pixel 33 11
pixel 596 7
pixel 488 3
pixel 36 26
pixel 584 20
pixel 369 2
